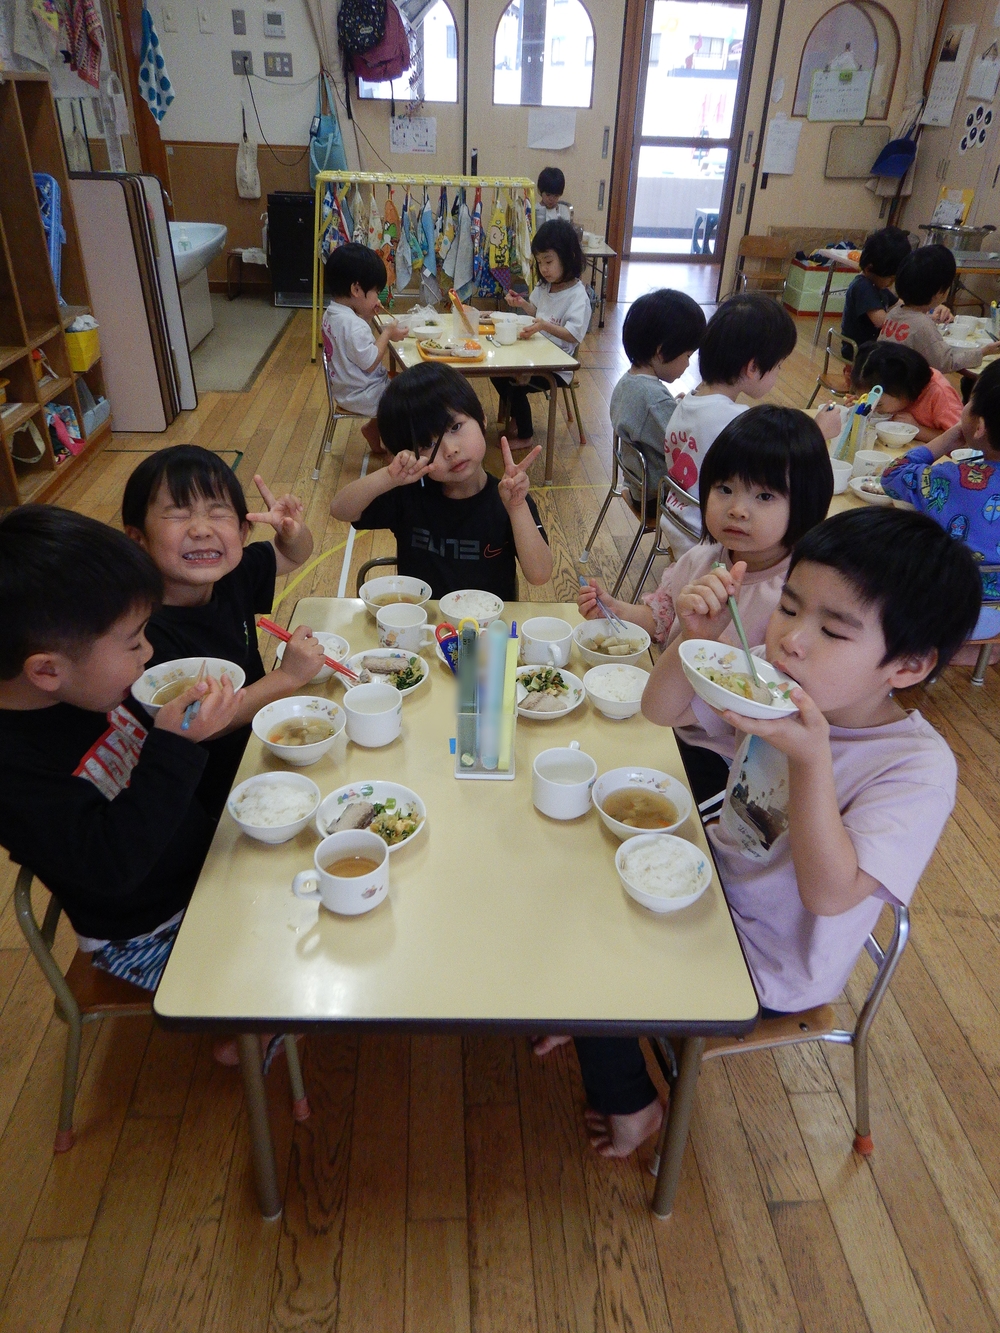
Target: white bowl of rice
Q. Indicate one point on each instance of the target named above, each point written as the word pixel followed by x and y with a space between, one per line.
pixel 662 872
pixel 273 807
pixel 472 603
pixel 616 689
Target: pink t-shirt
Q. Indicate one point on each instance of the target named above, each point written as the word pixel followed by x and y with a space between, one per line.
pixel 759 595
pixel 939 406
pixel 895 788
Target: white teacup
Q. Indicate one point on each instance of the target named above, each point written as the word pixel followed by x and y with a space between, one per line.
pixel 374 714
pixel 869 462
pixel 401 625
pixel 546 641
pixel 350 895
pixel 506 333
pixel 561 780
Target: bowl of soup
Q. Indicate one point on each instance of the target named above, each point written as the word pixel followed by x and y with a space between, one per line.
pixel 392 589
pixel 632 801
pixel 300 729
pixel 159 685
pixel 599 642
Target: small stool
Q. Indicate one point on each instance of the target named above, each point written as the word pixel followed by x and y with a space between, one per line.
pixel 706 224
pixel 235 259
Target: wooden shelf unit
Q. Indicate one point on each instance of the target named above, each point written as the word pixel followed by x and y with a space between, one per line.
pixel 31 315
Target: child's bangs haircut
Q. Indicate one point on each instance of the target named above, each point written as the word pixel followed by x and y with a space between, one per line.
pixel 353 263
pixel 901 371
pixel 924 583
pixel 64 581
pixel 985 402
pixel 780 449
pixel 664 322
pixel 923 273
pixel 752 327
pixel 551 181
pixel 558 235
pixel 420 404
pixel 884 251
pixel 190 473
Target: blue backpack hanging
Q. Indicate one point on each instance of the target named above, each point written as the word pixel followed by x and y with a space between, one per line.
pixel 326 144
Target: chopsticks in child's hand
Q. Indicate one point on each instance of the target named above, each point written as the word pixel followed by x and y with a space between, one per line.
pixel 284 636
pixel 615 621
pixel 194 708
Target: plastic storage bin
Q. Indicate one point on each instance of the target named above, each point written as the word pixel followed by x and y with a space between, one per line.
pixel 84 349
pixel 804 289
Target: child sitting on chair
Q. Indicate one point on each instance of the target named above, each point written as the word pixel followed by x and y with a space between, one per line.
pixel 869 296
pixel 922 283
pixel 855 789
pixel 355 275
pixel 913 392
pixel 551 184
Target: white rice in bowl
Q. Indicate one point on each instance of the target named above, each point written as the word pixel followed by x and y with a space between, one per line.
pixel 272 804
pixel 665 868
pixel 621 684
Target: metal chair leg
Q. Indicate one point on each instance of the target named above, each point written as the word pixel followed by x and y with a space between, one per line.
pixel 982 662
pixel 863 1142
pixel 65 1136
pixel 300 1102
pixel 614 492
pixel 812 396
pixel 324 444
pixel 628 560
pixel 579 419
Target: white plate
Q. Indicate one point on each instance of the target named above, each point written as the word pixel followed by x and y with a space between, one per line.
pixel 695 653
pixel 354 663
pixel 574 696
pixel 869 497
pixel 376 792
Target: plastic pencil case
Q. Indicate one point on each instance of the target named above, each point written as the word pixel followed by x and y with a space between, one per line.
pixel 84 349
pixel 50 205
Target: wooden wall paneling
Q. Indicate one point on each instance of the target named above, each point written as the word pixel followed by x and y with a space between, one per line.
pixel 628 109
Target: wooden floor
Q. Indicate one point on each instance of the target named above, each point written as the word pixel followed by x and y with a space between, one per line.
pixel 443 1184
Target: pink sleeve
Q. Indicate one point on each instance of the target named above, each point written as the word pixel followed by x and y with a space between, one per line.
pixel 661 603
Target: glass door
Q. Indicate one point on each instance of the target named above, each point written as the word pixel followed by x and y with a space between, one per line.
pixel 690 99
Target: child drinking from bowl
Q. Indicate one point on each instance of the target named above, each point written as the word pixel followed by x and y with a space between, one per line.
pixel 764 483
pixel 913 392
pixel 455 525
pixel 185 507
pixel 834 811
pixel 95 797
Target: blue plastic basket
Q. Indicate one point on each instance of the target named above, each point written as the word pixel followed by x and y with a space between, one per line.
pixel 50 202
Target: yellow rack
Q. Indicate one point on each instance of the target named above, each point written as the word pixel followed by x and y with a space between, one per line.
pixel 324 178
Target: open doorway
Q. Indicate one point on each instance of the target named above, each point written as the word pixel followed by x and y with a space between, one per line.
pixel 692 90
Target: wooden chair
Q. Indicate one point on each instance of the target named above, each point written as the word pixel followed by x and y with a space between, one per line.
pixel 334 414
pixel 819 1024
pixel 770 257
pixel 87 994
pixel 834 383
pixel 985 645
pixel 368 566
pixel 571 408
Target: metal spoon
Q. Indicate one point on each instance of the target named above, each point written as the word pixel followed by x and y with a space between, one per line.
pixel 771 689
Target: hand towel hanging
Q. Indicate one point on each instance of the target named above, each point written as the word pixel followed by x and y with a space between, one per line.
pixel 154 83
pixel 247 175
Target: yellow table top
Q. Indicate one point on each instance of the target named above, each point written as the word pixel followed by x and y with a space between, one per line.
pixel 495 914
pixel 526 355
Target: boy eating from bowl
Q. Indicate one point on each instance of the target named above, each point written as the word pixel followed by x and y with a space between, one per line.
pixel 97 799
pixel 834 811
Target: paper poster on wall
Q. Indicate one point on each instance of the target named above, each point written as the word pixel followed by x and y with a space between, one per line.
pixel 413 134
pixel 952 207
pixel 839 94
pixel 985 75
pixel 551 129
pixel 781 146
pixel 952 62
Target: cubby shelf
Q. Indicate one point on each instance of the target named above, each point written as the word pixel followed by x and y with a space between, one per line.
pixel 31 313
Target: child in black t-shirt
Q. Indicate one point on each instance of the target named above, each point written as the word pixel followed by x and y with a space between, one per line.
pixel 95 797
pixel 185 507
pixel 869 296
pixel 455 525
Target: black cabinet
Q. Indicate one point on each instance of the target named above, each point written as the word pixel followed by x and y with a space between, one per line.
pixel 290 221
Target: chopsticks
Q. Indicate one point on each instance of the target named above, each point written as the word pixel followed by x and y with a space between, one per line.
pixel 284 636
pixel 616 622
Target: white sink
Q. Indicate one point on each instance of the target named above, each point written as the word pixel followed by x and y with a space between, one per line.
pixel 195 245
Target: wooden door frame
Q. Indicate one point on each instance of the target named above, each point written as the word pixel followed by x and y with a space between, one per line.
pixel 152 149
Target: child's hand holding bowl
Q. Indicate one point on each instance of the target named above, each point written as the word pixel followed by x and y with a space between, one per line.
pixel 217 711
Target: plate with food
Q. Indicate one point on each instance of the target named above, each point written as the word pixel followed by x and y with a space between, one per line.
pixel 392 666
pixel 870 490
pixel 484 607
pixel 599 641
pixel 720 675
pixel 450 349
pixel 547 692
pixel 395 813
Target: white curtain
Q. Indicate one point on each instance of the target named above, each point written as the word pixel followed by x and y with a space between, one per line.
pixel 323 15
pixel 925 21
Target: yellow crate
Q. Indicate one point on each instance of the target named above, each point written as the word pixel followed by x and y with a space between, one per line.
pixel 84 349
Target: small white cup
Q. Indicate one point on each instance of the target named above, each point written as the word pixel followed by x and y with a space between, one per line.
pixel 347 895
pixel 506 333
pixel 869 463
pixel 561 780
pixel 374 714
pixel 401 625
pixel 546 641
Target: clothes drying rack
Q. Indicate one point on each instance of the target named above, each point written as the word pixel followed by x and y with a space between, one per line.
pixel 401 179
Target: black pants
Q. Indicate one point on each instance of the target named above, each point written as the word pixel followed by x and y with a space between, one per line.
pixel 517 396
pixel 707 772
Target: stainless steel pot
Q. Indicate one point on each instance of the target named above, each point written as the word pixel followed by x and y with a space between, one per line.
pixel 957 238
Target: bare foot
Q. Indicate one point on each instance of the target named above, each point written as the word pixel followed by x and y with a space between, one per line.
pixel 542 1045
pixel 620 1135
pixel 370 431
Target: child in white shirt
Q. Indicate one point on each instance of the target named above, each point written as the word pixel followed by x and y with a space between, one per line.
pixel 551 184
pixel 562 312
pixel 355 275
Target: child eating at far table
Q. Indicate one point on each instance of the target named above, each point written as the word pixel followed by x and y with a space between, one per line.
pixel 912 391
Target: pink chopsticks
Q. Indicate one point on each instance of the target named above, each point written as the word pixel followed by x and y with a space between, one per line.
pixel 284 636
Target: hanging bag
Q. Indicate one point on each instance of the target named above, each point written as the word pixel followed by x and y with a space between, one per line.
pixel 390 57
pixel 360 24
pixel 247 175
pixel 326 144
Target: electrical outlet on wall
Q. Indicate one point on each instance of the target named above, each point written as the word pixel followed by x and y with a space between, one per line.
pixel 242 62
pixel 206 19
pixel 277 65
pixel 168 14
pixel 239 22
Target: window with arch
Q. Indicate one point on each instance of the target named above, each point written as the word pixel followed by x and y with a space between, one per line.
pixel 543 54
pixel 858 35
pixel 433 75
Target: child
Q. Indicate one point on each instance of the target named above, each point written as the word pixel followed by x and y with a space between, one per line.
pixel 97 799
pixel 562 311
pixel 922 283
pixel 764 483
pixel 661 331
pixel 856 791
pixel 185 507
pixel 963 497
pixel 455 526
pixel 869 297
pixel 551 184
pixel 912 391
pixel 355 275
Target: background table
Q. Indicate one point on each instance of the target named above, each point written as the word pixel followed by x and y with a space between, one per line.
pixel 837 262
pixel 496 916
pixel 599 252
pixel 528 356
